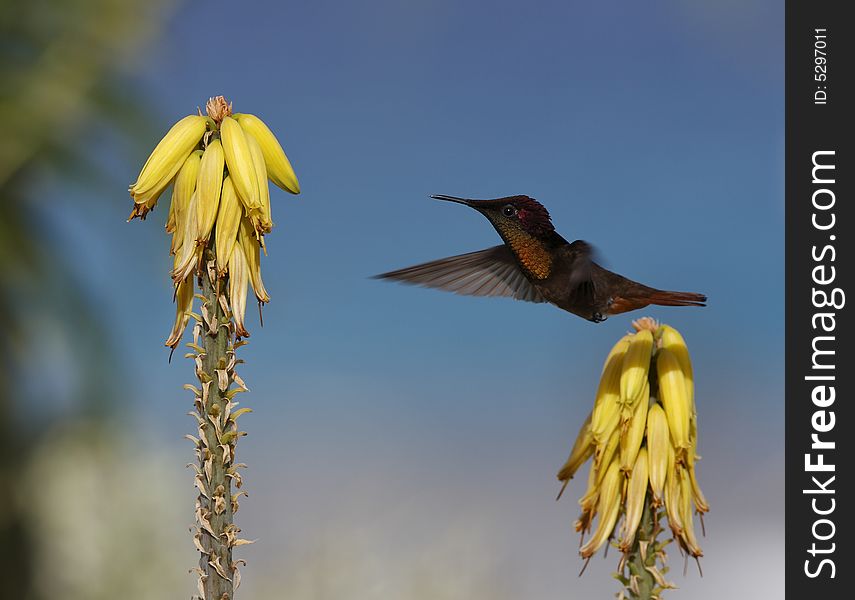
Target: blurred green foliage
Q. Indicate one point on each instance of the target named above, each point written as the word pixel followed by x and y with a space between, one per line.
pixel 63 66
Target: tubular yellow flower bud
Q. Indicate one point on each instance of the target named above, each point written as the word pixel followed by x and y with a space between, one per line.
pixel 184 303
pixel 168 156
pixel 691 455
pixel 583 448
pixel 636 493
pixel 260 218
pixel 700 502
pixel 209 188
pixel 144 203
pixel 239 161
pixel 686 517
pixel 672 501
pixel 632 433
pixel 606 413
pixel 671 339
pixel 228 223
pixel 605 453
pixel 238 281
pixel 252 253
pixel 608 508
pixel 618 349
pixel 279 168
pixel 588 502
pixel 170 220
pixel 182 191
pixel 674 343
pixel 658 447
pixel 187 257
pixel 636 364
pixel 675 399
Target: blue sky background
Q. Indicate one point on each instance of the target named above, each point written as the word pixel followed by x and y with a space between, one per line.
pixel 411 430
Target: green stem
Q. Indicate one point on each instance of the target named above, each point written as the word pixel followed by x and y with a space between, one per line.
pixel 216 560
pixel 642 555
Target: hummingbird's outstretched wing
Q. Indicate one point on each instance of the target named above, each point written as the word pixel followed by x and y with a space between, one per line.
pixel 490 272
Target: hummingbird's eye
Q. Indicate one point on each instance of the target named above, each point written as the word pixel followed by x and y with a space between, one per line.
pixel 509 211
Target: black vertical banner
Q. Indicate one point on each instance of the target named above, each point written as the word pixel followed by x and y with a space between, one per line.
pixel 820 370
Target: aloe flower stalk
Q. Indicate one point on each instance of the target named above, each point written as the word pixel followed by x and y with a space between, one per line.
pixel 219 213
pixel 642 435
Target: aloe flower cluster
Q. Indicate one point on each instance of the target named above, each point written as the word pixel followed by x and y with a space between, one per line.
pixel 218 166
pixel 642 437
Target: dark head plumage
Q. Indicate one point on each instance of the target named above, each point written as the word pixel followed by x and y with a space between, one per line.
pixel 525 212
pixel 532 214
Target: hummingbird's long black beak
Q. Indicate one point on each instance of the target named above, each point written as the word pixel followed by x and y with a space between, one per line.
pixel 452 199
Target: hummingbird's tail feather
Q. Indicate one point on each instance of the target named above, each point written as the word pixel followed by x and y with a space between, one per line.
pixel 663 298
pixel 645 296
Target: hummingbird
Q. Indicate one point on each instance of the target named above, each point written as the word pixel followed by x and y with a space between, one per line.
pixel 536 264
